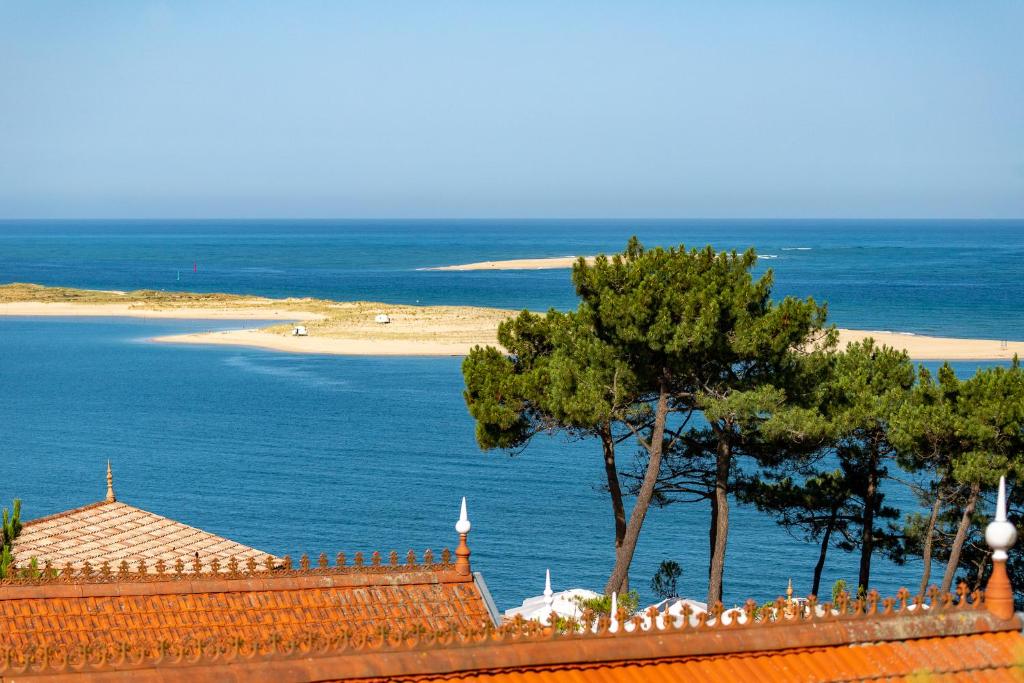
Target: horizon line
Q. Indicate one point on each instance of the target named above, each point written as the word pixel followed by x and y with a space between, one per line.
pixel 510 218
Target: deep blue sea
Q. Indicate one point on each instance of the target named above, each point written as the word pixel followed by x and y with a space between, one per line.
pixel 958 278
pixel 297 454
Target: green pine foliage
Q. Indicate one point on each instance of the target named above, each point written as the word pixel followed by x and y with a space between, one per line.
pixel 963 435
pixel 665 582
pixel 659 336
pixel 9 531
pixel 869 385
pixel 716 390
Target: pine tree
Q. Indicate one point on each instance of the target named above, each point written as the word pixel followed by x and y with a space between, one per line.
pixel 672 332
pixel 870 384
pixel 819 507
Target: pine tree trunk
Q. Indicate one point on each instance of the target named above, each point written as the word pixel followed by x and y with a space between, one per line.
pixel 820 566
pixel 615 490
pixel 643 498
pixel 712 531
pixel 867 534
pixel 723 464
pixel 926 553
pixel 961 536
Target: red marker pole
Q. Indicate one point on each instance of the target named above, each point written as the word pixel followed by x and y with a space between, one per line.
pixel 194 269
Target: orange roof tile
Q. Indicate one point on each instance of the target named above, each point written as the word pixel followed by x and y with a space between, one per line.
pixel 868 640
pixel 122 608
pixel 112 531
pixel 977 657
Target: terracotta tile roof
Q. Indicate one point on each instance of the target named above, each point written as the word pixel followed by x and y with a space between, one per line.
pixel 112 531
pixel 978 657
pixel 866 640
pixel 238 605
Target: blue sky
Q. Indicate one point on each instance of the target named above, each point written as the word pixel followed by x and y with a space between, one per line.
pixel 515 109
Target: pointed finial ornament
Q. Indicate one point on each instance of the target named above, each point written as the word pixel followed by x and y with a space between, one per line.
pixel 110 484
pixel 1000 535
pixel 462 528
pixel 613 625
pixel 549 599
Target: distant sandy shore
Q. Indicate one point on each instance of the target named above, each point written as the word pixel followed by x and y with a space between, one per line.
pixel 922 347
pixel 350 328
pixel 518 264
pixel 131 310
pixel 919 347
pixel 331 346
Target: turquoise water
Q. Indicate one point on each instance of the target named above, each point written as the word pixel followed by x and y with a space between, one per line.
pixel 300 454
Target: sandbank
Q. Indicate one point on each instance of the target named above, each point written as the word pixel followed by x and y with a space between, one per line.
pixel 518 264
pixel 921 347
pixel 350 328
pixel 331 346
pixel 126 310
pixel 430 341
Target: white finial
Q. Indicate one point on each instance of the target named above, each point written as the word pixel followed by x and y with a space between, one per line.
pixel 548 593
pixel 1000 534
pixel 614 625
pixel 1001 501
pixel 463 526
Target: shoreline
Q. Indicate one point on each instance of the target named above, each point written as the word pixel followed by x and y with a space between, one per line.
pixel 920 348
pixel 323 346
pixel 349 328
pixel 46 309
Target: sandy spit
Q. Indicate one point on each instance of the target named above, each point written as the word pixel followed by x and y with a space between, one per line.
pixel 428 331
pixel 332 346
pixel 127 310
pixel 938 348
pixel 919 347
pixel 518 264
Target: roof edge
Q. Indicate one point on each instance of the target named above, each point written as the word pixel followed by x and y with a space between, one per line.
pixel 260 580
pixel 72 511
pixel 488 651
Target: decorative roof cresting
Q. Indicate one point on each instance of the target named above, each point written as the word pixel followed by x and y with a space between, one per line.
pixel 1000 535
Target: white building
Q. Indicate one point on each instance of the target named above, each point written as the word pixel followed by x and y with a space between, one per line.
pixel 565 603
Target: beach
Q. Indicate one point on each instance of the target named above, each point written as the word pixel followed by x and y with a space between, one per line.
pixel 330 346
pixel 351 328
pixel 447 339
pixel 255 311
pixel 922 347
pixel 518 264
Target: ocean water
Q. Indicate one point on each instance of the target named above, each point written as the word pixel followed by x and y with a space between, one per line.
pixel 314 454
pixel 957 278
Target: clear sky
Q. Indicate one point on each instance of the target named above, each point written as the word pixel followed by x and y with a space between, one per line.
pixel 511 109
